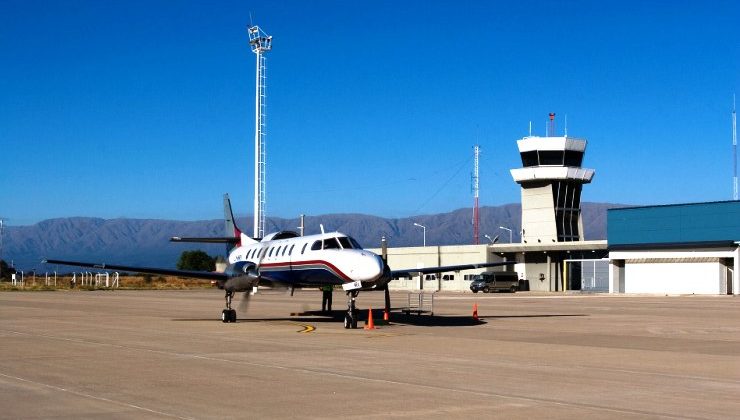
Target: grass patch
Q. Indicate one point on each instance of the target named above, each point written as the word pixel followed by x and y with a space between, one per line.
pixel 127 282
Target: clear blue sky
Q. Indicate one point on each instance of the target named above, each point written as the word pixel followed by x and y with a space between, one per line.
pixel 146 108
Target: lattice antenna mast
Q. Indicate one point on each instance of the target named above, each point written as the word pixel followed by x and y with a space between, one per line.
pixel 734 150
pixel 260 43
pixel 476 191
pixel 2 227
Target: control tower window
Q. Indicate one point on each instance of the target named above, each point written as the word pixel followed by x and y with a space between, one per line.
pixel 573 158
pixel 529 158
pixel 551 157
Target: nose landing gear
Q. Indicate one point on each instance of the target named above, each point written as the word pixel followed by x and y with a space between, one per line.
pixel 350 318
pixel 228 314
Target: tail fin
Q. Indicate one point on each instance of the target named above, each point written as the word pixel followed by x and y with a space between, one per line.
pixel 230 227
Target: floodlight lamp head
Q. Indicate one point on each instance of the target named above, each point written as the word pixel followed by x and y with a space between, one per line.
pixel 259 40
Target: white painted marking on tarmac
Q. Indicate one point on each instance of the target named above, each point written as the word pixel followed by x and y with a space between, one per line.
pixel 94 397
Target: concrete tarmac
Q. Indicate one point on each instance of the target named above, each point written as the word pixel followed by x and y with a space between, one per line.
pixel 166 354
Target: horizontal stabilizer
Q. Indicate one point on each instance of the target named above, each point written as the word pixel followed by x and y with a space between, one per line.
pixel 229 240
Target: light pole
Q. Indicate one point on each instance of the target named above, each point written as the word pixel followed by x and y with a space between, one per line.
pixel 424 229
pixel 492 240
pixel 510 234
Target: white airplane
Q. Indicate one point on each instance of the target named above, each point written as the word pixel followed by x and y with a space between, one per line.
pixel 289 260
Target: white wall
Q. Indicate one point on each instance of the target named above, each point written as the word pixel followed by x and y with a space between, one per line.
pixel 435 256
pixel 538 214
pixel 673 278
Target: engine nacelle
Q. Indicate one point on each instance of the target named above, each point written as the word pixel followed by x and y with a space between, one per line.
pixel 243 276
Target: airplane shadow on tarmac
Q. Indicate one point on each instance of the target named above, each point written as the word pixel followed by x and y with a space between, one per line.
pixel 396 317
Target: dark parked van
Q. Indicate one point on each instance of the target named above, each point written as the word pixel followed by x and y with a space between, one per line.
pixel 495 281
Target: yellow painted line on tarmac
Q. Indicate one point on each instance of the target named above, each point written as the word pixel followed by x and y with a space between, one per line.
pixel 307 328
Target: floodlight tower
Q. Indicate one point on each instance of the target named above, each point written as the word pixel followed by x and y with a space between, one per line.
pixel 476 188
pixel 260 43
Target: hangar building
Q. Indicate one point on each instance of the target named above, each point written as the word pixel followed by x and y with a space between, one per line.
pixel 675 249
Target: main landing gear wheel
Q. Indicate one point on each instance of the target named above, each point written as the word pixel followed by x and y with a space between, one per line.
pixel 350 318
pixel 228 314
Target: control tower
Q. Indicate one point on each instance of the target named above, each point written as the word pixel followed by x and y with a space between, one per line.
pixel 551 179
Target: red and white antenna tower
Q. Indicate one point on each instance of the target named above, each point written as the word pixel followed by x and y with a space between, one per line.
pixel 734 150
pixel 476 188
pixel 551 125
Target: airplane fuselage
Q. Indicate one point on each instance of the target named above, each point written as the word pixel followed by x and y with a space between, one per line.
pixel 327 258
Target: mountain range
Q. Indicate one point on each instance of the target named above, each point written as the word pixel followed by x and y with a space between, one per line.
pixel 145 242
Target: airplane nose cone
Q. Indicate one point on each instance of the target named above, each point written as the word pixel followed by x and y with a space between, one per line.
pixel 370 269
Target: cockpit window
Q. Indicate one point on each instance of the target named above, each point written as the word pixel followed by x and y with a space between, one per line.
pixel 331 243
pixel 316 246
pixel 355 244
pixel 345 242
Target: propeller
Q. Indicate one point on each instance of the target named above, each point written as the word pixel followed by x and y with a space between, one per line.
pixel 244 303
pixel 243 278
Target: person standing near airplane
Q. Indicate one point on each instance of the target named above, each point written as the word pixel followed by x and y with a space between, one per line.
pixel 326 297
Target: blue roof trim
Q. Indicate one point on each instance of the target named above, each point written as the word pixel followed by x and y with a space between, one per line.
pixel 673 245
pixel 672 205
pixel 690 223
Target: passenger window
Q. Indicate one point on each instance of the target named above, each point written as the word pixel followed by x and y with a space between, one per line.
pixel 277 252
pixel 284 249
pixel 304 247
pixel 291 249
pixel 269 253
pixel 316 246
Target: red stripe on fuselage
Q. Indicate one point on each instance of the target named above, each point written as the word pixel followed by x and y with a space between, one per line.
pixel 331 266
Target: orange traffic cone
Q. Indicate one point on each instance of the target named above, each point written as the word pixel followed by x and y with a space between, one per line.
pixel 475 311
pixel 386 316
pixel 370 324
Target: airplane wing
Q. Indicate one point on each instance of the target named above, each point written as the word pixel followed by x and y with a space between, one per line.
pixel 228 240
pixel 180 273
pixel 410 271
